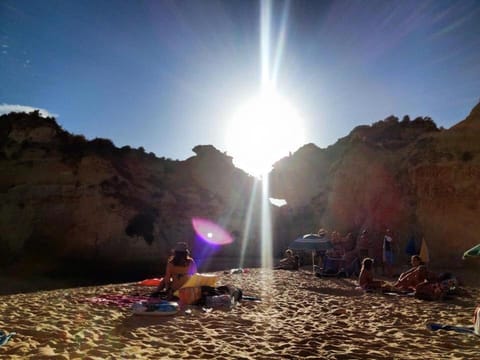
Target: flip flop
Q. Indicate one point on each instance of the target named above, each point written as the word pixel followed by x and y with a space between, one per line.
pixel 4 337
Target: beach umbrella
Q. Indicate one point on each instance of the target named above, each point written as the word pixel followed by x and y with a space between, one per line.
pixel 424 253
pixel 473 252
pixel 311 242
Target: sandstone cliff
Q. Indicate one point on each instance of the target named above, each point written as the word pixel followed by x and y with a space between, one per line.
pixel 405 175
pixel 65 200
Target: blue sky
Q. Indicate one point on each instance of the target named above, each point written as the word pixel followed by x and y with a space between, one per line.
pixel 166 75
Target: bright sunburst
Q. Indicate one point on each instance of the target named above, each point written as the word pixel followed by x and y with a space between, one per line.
pixel 262 131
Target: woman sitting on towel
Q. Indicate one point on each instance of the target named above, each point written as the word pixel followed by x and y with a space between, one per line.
pixel 412 280
pixel 180 267
pixel 365 279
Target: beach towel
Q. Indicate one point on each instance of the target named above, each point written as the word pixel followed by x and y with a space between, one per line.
pixel 459 329
pixel 393 293
pixel 150 282
pixel 475 329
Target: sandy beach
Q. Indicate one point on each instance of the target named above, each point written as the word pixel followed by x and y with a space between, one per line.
pixel 299 316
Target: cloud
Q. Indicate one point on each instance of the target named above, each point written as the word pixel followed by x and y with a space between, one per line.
pixel 8 108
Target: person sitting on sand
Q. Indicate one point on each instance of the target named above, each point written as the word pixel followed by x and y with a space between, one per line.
pixel 415 262
pixel 411 278
pixel 365 279
pixel 289 262
pixel 180 267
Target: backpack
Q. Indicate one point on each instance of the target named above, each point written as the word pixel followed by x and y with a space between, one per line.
pixel 209 292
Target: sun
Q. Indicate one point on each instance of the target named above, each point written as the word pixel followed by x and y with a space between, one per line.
pixel 262 131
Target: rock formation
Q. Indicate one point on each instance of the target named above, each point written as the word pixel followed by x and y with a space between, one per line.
pixel 405 175
pixel 66 202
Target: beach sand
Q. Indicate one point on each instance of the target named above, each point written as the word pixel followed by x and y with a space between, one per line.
pixel 299 316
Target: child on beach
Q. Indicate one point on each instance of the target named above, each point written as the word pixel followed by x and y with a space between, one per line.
pixel 365 279
pixel 414 276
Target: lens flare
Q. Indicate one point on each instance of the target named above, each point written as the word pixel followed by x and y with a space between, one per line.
pixel 210 232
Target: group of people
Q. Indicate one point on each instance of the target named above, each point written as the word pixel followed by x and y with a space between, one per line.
pixel 354 252
pixel 418 280
pixel 346 253
pixel 365 249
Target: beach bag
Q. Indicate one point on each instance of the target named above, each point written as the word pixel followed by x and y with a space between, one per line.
pixel 216 301
pixel 208 292
pixel 189 295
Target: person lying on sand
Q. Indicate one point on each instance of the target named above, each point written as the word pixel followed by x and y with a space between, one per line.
pixel 437 287
pixel 365 279
pixel 289 262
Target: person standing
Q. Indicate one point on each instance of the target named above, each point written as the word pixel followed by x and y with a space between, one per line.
pixel 363 245
pixel 388 257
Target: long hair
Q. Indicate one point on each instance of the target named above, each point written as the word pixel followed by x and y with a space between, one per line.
pixel 367 264
pixel 180 258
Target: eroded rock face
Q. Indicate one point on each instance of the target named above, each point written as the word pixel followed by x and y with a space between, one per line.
pixel 405 175
pixel 64 199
